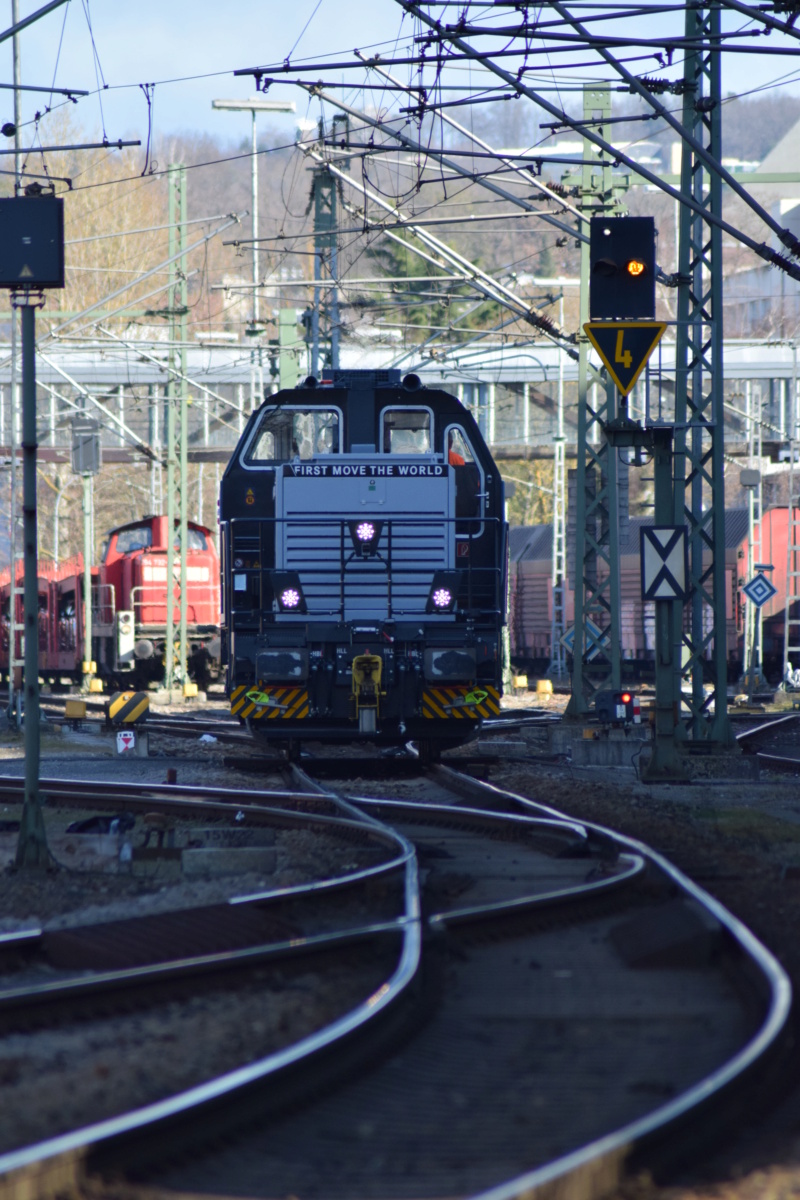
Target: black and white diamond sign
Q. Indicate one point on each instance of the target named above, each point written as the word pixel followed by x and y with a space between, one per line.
pixel 759 590
pixel 664 562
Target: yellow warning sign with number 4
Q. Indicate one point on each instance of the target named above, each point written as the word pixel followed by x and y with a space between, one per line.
pixel 624 347
pixel 622 356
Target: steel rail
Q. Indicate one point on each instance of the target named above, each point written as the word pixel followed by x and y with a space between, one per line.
pixel 66 1161
pixel 103 983
pixel 58 1164
pixel 767 727
pixel 597 1168
pixel 634 864
pixel 779 763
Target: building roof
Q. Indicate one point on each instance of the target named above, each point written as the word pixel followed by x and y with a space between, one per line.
pixel 530 543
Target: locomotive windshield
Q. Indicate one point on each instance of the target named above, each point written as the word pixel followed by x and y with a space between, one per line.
pixel 196 540
pixel 407 431
pixel 288 433
pixel 137 538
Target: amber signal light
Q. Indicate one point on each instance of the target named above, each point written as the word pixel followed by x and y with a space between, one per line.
pixel 636 267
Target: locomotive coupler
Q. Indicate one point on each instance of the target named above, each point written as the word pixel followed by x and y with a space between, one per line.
pixel 367 692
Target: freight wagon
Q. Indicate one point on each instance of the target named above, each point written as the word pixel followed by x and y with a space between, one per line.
pixel 531 596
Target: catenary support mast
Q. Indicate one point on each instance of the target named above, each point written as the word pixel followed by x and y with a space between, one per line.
pixel 699 414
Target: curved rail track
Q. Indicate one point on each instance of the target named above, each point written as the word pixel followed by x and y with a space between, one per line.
pixel 775 743
pixel 514 1002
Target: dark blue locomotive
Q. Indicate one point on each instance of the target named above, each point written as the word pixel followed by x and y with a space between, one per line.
pixel 364 551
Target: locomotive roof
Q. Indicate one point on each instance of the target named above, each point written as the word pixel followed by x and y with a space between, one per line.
pixel 152 517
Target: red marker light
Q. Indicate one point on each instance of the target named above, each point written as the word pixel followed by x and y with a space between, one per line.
pixel 626 698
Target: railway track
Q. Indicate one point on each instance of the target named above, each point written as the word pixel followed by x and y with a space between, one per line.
pixel 775 743
pixel 473 969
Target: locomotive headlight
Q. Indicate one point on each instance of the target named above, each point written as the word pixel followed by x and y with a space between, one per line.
pixel 288 592
pixel 365 536
pixel 444 592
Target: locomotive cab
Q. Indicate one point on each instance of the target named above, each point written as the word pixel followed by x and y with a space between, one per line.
pixel 133 598
pixel 363 564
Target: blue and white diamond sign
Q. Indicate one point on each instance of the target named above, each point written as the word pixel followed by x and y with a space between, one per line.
pixel 597 635
pixel 759 590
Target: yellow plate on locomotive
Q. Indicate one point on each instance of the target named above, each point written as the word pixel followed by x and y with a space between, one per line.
pixel 271 702
pixel 460 703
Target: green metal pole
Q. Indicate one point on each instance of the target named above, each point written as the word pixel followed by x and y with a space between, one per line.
pixel 171 393
pixel 577 705
pixel 87 581
pixel 184 428
pixel 665 762
pixel 596 590
pixel 32 843
pixel 169 652
pixel 289 348
pixel 699 411
pixel 184 526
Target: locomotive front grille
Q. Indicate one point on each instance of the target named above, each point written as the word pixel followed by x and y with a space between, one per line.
pixel 393 581
pixel 392 577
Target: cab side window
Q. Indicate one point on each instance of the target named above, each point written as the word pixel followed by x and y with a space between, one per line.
pixel 468 482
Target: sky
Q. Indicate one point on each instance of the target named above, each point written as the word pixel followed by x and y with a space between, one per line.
pixel 190 48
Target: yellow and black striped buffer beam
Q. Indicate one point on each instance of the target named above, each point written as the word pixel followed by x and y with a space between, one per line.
pixel 270 703
pixel 126 708
pixel 460 703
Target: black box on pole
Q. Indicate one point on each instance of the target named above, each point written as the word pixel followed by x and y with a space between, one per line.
pixel 31 242
pixel 86 451
pixel 622 268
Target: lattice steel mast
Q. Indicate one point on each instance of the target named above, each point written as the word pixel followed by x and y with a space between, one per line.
pixel 699 415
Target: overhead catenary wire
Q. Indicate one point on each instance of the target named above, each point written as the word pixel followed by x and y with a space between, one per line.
pixel 474 275
pixel 417 147
pixel 762 249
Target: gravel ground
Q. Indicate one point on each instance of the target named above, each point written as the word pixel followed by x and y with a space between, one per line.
pixel 738 837
pixel 118 1063
pixel 187 1040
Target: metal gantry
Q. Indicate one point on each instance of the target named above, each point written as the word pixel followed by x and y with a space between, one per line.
pixel 324 197
pixel 596 660
pixel 177 398
pixel 558 566
pixel 699 411
pixel 791 640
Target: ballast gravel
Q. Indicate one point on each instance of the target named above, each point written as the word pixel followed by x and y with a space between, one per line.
pixel 739 838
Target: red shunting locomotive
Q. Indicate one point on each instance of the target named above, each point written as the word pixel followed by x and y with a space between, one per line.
pixel 129 608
